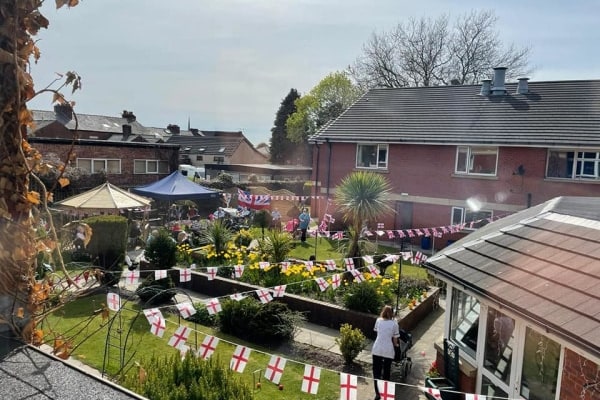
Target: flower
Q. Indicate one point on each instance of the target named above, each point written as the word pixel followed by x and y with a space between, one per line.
pixel 433 371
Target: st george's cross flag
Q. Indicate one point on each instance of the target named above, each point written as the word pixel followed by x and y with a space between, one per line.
pixel 158 325
pixel 114 301
pixel 213 306
pixel 435 393
pixel 240 357
pixel 336 280
pixel 180 337
pixel 186 309
pixel 208 347
pixel 312 376
pixel 279 291
pixel 348 386
pixel 275 368
pixel 387 389
pixel 349 262
pixel 149 313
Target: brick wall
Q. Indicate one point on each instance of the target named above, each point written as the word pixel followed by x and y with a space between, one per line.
pixel 580 378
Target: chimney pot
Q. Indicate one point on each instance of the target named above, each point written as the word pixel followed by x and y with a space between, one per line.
pixel 523 86
pixel 498 88
pixel 63 113
pixel 174 129
pixel 486 85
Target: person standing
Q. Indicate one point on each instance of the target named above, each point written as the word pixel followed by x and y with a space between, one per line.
pixel 304 220
pixel 384 351
pixel 276 219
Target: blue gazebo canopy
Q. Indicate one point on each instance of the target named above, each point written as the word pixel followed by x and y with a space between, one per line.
pixel 176 187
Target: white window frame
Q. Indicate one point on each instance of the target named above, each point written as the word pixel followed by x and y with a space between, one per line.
pixel 465 212
pixel 148 167
pixel 93 163
pixel 382 155
pixel 577 159
pixel 469 165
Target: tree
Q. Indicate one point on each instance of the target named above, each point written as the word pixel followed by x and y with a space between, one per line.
pixel 426 52
pixel 361 197
pixel 281 147
pixel 325 102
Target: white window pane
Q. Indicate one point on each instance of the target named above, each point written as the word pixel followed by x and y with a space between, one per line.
pixel 464 321
pixel 163 167
pixel 382 156
pixel 152 167
pixel 462 154
pixel 483 160
pixel 540 366
pixel 366 156
pixel 113 166
pixel 85 164
pixel 139 166
pixel 499 344
pixel 457 215
pixel 98 166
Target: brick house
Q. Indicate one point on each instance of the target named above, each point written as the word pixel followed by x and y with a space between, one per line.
pixel 461 154
pixel 523 303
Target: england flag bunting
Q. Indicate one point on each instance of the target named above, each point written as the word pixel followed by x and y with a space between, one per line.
pixel 391 257
pixel 373 270
pixel 322 283
pixel 160 274
pixel 348 386
pixel 132 277
pixel 237 296
pixel 472 396
pixel 279 291
pixel 330 265
pixel 410 233
pixel 186 310
pixel 238 270
pixel 419 258
pixel 158 326
pixel 211 272
pixel 336 280
pixel 150 313
pixel 390 234
pixel 208 347
pixel 264 264
pixel 368 259
pixel 401 234
pixel 180 337
pixel 349 262
pixel 185 275
pixel 357 275
pixel 387 390
pixel 407 255
pixel 254 201
pixel 435 393
pixel 339 235
pixel 264 295
pixel 240 358
pixel 285 265
pixel 275 368
pixel 213 306
pixel 310 382
pixel 114 301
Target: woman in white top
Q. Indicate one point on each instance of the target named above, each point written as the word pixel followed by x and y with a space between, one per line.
pixel 383 351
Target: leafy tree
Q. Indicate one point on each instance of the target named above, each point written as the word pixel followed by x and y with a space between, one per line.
pixel 361 197
pixel 429 52
pixel 281 147
pixel 325 102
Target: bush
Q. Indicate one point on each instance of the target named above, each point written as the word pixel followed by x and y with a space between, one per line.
pixel 154 292
pixel 202 316
pixel 171 378
pixel 161 252
pixel 108 245
pixel 271 323
pixel 363 297
pixel 351 341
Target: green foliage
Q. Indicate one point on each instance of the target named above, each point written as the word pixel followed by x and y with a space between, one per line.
pixel 161 252
pixel 153 292
pixel 243 238
pixel 225 178
pixel 351 342
pixel 171 378
pixel 108 244
pixel 218 235
pixel 249 319
pixel 202 316
pixel 363 297
pixel 276 245
pixel 262 219
pixel 281 147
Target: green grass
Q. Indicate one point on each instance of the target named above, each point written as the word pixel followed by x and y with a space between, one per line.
pixel 79 323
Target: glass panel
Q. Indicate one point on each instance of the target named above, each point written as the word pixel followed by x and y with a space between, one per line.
pixel 461 159
pixel 540 366
pixel 98 165
pixel 489 389
pixel 477 219
pixel 560 164
pixel 139 166
pixel 464 321
pixel 366 156
pixel 163 167
pixel 382 156
pixel 457 215
pixel 499 343
pixel 151 166
pixel 483 160
pixel 85 164
pixel 113 166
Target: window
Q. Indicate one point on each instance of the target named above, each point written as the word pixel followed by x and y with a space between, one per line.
pixel 150 167
pixel 464 321
pixel 219 160
pixel 471 219
pixel 499 343
pixel 472 160
pixel 372 156
pixel 95 165
pixel 573 164
pixel 199 158
pixel 540 366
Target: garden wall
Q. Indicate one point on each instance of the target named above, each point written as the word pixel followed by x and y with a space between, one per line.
pixel 317 312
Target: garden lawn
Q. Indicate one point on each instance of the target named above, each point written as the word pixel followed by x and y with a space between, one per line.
pixel 81 323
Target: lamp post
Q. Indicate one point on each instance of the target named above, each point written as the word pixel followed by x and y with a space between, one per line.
pixel 399 275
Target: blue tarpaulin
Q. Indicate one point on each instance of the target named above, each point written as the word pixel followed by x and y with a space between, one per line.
pixel 176 187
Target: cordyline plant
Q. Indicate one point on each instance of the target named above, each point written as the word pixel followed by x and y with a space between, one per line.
pixel 23 299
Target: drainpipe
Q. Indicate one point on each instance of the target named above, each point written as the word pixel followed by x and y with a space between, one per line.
pixel 317 145
pixel 328 166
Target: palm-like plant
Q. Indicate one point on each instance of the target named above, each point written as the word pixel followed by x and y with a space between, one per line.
pixel 219 236
pixel 277 245
pixel 361 197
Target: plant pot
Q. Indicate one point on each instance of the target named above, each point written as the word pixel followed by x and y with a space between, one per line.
pixel 442 384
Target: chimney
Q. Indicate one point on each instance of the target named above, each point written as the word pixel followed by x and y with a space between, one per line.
pixel 498 88
pixel 63 113
pixel 523 87
pixel 174 129
pixel 486 84
pixel 126 131
pixel 129 115
pixel 194 131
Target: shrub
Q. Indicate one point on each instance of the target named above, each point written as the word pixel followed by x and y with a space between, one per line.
pixel 243 238
pixel 171 378
pixel 276 246
pixel 202 316
pixel 108 245
pixel 153 292
pixel 271 323
pixel 351 341
pixel 161 252
pixel 362 297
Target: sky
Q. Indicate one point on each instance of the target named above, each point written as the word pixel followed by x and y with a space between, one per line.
pixel 228 64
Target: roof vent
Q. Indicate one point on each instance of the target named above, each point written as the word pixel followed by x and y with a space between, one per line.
pixel 486 84
pixel 523 86
pixel 498 88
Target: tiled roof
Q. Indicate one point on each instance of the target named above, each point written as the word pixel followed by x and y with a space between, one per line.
pixel 542 263
pixel 225 146
pixel 560 113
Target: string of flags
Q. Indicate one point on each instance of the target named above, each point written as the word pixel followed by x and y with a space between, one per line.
pixel 275 367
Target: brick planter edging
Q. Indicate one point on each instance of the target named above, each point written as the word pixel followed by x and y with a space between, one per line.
pixel 316 311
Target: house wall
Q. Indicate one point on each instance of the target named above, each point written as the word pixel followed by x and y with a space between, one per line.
pixel 580 378
pixel 246 154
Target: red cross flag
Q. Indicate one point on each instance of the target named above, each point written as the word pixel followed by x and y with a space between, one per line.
pixel 390 234
pixel 309 265
pixel 357 275
pixel 310 382
pixel 150 313
pixel 263 264
pixel 419 258
pixel 279 291
pixel 114 301
pixel 236 296
pixel 330 264
pixel 160 274
pixel 211 272
pixel 275 369
pixel 348 386
pixel 238 270
pixel 471 396
pixel 240 357
pixel 264 296
pixel 391 257
pixel 373 270
pixel 213 306
pixel 435 393
pixel 284 266
pixel 322 283
pixel 179 337
pixel 368 259
pixel 158 326
pixel 387 390
pixel 186 310
pixel 349 262
pixel 339 235
pixel 132 277
pixel 208 347
pixel 185 275
pixel 336 280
